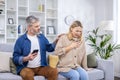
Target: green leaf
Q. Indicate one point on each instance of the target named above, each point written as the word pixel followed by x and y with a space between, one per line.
pixel 116 47
pixel 109 48
pixel 92 45
pixel 92 39
pixel 105 41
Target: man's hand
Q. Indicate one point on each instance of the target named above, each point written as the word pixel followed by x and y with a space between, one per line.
pixel 58 37
pixel 30 57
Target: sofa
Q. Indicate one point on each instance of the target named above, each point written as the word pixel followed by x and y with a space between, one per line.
pixel 104 70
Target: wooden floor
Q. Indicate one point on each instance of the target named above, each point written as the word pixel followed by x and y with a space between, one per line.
pixel 116 78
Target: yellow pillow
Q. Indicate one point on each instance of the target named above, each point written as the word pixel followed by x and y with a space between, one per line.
pixel 53 61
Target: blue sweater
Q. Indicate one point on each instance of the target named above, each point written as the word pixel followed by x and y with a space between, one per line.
pixel 23 46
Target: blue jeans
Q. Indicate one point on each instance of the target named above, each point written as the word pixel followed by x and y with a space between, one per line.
pixel 76 74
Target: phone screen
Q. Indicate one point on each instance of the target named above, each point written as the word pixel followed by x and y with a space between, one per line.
pixel 35 51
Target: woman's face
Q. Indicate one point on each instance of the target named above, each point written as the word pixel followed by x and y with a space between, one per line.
pixel 76 32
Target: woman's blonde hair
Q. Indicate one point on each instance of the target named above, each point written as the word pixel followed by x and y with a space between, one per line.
pixel 73 25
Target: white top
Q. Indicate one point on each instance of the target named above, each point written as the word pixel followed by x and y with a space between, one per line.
pixel 34 45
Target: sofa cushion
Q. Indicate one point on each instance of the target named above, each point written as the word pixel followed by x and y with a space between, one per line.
pixel 12 67
pixel 60 77
pixel 4 61
pixel 53 60
pixel 96 74
pixel 6 47
pixel 91 60
pixel 10 76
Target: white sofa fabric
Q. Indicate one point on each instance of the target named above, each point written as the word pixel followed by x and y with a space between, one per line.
pixel 104 71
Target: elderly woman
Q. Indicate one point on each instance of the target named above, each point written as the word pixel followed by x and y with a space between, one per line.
pixel 72 54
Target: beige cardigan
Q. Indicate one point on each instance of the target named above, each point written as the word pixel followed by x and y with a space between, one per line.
pixel 74 58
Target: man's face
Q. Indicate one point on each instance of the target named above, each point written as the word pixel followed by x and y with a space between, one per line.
pixel 34 29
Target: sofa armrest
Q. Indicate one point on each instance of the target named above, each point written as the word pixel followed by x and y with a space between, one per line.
pixel 107 67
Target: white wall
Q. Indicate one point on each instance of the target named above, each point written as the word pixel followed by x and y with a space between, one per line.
pixel 89 12
pixel 80 9
pixel 103 10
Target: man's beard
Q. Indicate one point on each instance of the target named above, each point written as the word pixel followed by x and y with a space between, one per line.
pixel 35 33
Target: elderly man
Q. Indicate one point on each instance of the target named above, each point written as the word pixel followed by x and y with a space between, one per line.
pixel 29 53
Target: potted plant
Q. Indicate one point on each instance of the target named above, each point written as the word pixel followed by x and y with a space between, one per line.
pixel 101 44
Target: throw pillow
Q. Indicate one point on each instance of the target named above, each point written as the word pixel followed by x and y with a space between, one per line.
pixel 4 61
pixel 91 61
pixel 12 67
pixel 53 60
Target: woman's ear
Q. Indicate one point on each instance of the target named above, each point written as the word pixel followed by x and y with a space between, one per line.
pixel 71 29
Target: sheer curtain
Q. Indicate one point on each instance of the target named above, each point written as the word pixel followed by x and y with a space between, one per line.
pixel 118 21
pixel 116 57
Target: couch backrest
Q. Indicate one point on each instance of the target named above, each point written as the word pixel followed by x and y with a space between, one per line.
pixel 6 51
pixel 6 47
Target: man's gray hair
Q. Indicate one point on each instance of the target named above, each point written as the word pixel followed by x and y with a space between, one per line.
pixel 31 19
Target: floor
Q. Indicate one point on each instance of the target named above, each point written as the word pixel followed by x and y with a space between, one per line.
pixel 116 78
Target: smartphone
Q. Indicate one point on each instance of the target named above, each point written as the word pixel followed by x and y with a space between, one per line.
pixel 35 51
